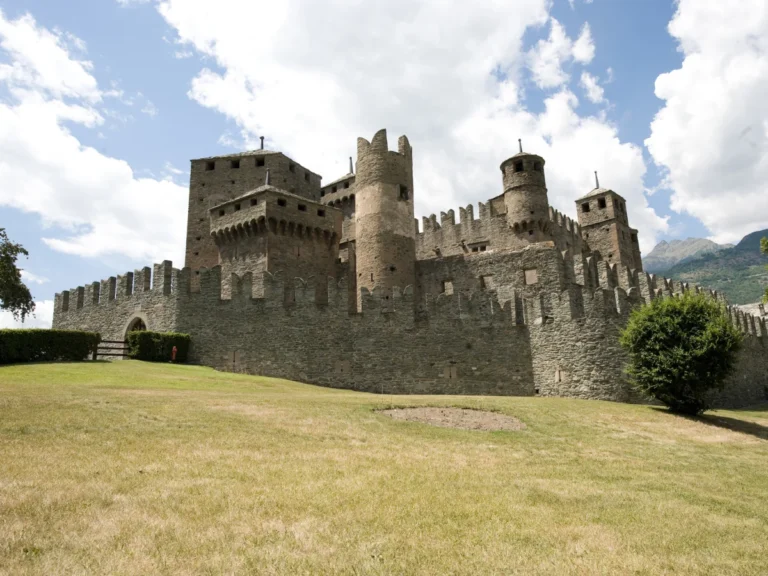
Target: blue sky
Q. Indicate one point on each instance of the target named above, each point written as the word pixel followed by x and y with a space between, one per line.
pixel 104 104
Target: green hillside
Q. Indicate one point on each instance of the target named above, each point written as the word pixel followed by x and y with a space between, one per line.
pixel 739 271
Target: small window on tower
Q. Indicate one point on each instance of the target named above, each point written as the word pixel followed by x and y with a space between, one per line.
pixel 302 207
pixel 585 207
pixel 281 202
pixel 306 176
pixel 335 189
pixel 403 192
pixel 235 164
pixel 210 166
pixel 321 212
pixel 346 184
pixel 601 203
pixel 447 287
pixel 519 166
pixel 322 193
pixel 260 162
pixel 538 167
pixel 292 167
pixel 221 212
pixel 531 276
pixel 634 238
pixel 254 201
pixel 237 207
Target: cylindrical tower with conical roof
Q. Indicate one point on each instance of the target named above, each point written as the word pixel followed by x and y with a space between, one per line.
pixel 385 243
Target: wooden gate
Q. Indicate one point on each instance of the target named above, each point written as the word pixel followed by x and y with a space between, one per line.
pixel 111 348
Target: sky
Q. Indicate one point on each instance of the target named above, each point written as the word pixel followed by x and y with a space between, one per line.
pixel 103 104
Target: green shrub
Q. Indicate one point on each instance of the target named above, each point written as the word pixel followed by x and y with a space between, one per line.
pixel 681 350
pixel 157 346
pixel 46 345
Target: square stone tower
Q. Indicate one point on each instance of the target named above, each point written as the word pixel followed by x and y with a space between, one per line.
pixel 605 228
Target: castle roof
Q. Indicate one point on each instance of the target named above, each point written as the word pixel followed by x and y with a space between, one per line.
pixel 342 179
pixel 597 192
pixel 241 154
pixel 266 188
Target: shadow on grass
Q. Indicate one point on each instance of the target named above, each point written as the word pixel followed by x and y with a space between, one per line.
pixel 733 424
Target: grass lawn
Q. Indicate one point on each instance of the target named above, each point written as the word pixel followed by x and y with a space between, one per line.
pixel 134 468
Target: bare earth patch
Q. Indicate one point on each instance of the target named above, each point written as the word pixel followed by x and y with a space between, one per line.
pixel 463 418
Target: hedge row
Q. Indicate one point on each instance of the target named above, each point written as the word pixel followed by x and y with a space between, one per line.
pixel 46 345
pixel 157 346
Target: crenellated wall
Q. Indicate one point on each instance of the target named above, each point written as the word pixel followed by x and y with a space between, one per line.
pixel 545 322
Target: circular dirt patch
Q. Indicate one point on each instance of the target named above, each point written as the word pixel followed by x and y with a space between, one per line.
pixel 463 418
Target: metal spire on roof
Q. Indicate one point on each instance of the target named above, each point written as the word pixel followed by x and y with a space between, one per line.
pixel 262 142
pixel 597 182
pixel 351 167
pixel 267 180
pixel 520 144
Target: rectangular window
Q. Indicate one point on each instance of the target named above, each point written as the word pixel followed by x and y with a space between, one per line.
pixel 585 207
pixel 334 189
pixel 321 212
pixel 518 166
pixel 447 287
pixel 260 162
pixel 237 207
pixel 221 212
pixel 322 193
pixel 531 276
pixel 346 184
pixel 403 192
pixel 306 176
pixel 235 164
pixel 302 207
pixel 281 202
pixel 486 282
pixel 292 167
pixel 601 203
pixel 210 165
pixel 254 201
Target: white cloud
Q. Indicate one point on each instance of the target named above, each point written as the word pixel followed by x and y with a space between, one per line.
pixel 98 200
pixel 584 47
pixel 592 89
pixel 327 72
pixel 28 277
pixel 711 136
pixel 40 59
pixel 547 58
pixel 150 109
pixel 41 318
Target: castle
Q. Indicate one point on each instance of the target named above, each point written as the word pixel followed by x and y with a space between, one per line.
pixel 338 285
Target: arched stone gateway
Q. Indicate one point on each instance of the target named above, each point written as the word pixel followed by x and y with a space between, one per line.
pixel 137 323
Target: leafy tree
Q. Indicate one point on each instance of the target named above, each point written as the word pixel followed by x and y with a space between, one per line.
pixel 14 295
pixel 764 250
pixel 681 349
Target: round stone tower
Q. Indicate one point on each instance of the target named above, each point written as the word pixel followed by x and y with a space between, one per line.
pixel 525 196
pixel 385 231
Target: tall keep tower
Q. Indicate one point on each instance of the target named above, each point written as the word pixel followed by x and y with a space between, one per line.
pixel 385 234
pixel 525 196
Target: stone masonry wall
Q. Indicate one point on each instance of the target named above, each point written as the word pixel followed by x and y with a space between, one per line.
pixel 558 336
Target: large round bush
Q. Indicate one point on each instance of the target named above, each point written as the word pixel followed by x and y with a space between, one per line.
pixel 681 350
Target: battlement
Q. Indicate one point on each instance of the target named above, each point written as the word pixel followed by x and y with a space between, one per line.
pixel 164 280
pixel 377 164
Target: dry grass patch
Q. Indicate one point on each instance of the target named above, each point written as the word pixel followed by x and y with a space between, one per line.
pixel 463 418
pixel 132 468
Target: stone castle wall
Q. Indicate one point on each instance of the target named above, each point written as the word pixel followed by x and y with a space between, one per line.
pixel 555 337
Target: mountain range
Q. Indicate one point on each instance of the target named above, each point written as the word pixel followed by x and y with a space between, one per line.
pixel 739 270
